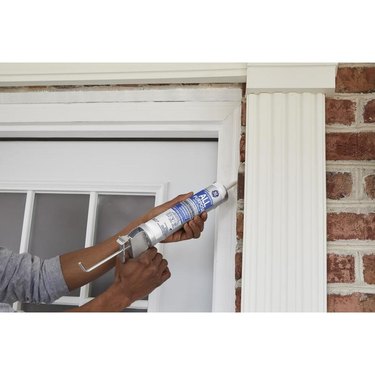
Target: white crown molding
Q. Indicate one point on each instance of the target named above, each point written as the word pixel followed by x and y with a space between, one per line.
pixel 40 74
pixel 313 78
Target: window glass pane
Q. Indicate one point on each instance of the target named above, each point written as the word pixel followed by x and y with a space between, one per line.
pixel 114 212
pixel 59 225
pixel 12 209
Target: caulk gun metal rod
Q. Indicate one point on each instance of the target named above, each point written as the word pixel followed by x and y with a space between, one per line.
pixel 83 268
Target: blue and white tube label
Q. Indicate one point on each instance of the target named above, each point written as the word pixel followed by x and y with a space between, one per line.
pixel 174 218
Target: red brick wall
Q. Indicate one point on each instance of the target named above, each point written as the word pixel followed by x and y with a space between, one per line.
pixel 350 153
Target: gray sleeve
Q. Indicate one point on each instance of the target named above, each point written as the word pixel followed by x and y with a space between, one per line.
pixel 27 278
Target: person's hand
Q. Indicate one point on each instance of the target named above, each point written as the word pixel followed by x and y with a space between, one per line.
pixel 191 229
pixel 138 277
pixel 134 279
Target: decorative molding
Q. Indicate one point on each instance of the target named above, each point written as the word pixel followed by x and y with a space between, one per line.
pixel 284 261
pixel 284 245
pixel 124 94
pixel 40 74
pixel 275 78
pixel 119 118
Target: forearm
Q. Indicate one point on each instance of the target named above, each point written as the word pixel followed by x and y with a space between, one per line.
pixel 74 276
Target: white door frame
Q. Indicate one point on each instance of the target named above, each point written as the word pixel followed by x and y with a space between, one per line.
pixel 172 113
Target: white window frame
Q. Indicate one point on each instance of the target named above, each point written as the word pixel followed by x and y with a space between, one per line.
pixel 155 113
pixel 93 189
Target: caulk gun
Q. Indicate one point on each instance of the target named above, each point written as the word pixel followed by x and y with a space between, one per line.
pixel 168 222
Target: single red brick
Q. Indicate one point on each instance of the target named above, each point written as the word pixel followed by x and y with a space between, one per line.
pixel 369 112
pixel 238 299
pixel 239 225
pixel 355 79
pixel 340 111
pixel 242 148
pixel 356 302
pixel 339 185
pixel 369 268
pixel 341 146
pixel 350 226
pixel 340 268
pixel 370 186
pixel 366 146
pixel 350 303
pixel 350 146
pixel 238 268
pixel 368 302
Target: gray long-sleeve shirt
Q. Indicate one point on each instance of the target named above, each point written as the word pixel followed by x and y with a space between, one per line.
pixel 27 278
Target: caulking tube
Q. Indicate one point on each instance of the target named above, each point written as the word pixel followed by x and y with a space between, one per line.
pixel 170 221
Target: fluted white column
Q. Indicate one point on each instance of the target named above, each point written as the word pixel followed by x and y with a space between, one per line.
pixel 284 252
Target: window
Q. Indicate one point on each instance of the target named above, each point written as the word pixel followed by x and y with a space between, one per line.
pixel 56 222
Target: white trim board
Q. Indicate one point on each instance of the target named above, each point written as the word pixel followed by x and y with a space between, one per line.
pixel 273 78
pixel 31 74
pixel 111 114
pixel 125 94
pixel 284 241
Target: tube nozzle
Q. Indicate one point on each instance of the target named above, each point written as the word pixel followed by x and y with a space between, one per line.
pixel 232 184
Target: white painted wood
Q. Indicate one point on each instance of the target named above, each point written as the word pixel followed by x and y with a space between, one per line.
pixel 68 301
pixel 139 305
pixel 131 120
pixel 113 112
pixel 274 78
pixel 78 301
pixel 26 229
pixel 284 260
pixel 89 241
pixel 26 226
pixel 228 156
pixel 77 187
pixel 118 95
pixel 21 74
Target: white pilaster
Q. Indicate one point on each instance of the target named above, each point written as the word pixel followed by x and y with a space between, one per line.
pixel 284 252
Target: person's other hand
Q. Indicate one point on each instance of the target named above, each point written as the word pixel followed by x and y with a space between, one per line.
pixel 138 277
